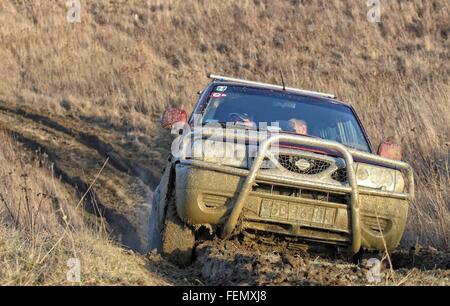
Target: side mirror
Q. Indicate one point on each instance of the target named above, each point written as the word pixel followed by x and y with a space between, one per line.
pixel 172 116
pixel 389 149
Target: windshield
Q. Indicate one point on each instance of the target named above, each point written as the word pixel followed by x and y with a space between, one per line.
pixel 253 108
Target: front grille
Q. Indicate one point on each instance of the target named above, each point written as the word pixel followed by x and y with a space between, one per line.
pixel 302 165
pixel 301 193
pixel 340 175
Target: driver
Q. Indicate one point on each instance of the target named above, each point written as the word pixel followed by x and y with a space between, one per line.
pixel 299 126
pixel 242 119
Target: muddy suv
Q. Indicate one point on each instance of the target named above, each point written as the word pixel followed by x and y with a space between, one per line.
pixel 277 164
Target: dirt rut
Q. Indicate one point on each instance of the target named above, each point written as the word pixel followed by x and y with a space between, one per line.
pixel 78 150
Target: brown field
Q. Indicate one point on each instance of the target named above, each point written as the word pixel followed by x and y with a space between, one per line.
pixel 112 74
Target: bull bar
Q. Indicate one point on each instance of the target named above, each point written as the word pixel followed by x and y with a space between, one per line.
pixel 252 175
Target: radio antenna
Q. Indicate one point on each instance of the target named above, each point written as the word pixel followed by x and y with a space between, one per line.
pixel 282 80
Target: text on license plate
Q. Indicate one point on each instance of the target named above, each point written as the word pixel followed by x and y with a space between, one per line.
pixel 298 212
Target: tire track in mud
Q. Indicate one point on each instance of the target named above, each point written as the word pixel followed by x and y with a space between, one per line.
pixel 123 190
pixel 237 263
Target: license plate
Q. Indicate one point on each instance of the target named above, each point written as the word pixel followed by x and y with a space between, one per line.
pixel 299 213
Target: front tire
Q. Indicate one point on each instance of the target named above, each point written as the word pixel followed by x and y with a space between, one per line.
pixel 178 239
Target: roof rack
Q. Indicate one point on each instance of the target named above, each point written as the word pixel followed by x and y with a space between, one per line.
pixel 272 86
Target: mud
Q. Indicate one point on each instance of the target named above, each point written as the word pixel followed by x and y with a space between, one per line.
pixel 77 147
pixel 246 263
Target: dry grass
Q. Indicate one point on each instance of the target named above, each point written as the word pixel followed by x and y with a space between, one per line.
pixel 127 60
pixel 41 229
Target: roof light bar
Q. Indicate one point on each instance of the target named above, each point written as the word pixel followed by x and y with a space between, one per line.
pixel 272 86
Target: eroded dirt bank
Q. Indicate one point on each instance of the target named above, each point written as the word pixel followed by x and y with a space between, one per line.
pixel 82 152
pixel 79 147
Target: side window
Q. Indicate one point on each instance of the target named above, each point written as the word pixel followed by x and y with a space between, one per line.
pixel 331 133
pixel 200 103
pixel 344 132
pixel 213 110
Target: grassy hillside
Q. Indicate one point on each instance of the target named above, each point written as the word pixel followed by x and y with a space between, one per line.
pixel 127 60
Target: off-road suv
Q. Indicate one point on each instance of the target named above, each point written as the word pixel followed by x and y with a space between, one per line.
pixel 275 163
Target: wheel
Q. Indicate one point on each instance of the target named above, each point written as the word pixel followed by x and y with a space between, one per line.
pixel 156 222
pixel 178 239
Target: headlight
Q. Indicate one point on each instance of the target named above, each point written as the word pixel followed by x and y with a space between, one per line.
pixel 222 153
pixel 380 178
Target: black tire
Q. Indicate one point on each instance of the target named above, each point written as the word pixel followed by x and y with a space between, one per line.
pixel 178 239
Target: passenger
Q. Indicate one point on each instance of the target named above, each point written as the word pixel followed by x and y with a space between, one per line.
pixel 299 126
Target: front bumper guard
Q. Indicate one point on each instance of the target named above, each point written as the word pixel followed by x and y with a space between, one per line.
pixel 253 175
